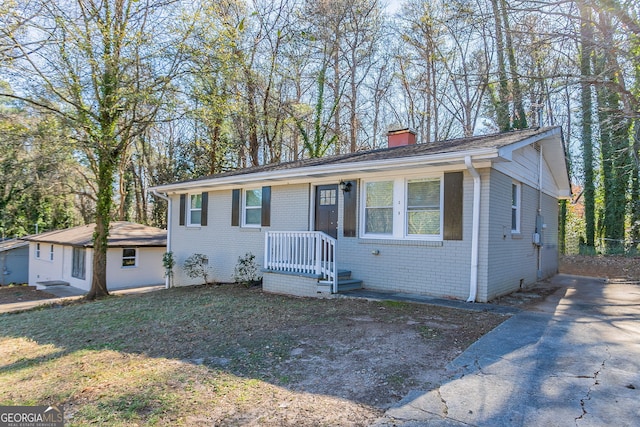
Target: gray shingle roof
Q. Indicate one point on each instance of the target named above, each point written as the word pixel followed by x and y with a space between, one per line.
pixel 121 234
pixel 492 141
pixel 10 244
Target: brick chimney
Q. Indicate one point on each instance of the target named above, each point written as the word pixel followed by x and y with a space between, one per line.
pixel 400 137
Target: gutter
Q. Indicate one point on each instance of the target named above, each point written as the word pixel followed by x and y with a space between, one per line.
pixel 341 169
pixel 168 199
pixel 475 232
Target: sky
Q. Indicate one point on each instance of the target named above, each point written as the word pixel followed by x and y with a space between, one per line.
pixel 393 6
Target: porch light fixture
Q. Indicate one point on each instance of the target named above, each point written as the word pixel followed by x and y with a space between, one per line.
pixel 345 186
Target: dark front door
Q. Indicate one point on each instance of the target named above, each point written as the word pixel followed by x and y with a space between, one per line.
pixel 327 209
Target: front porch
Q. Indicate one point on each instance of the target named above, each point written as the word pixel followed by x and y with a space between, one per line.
pixel 303 263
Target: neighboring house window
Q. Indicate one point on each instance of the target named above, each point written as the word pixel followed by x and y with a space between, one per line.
pixel 37 250
pixel 423 207
pixel 403 208
pixel 195 209
pixel 129 258
pixel 252 208
pixel 515 207
pixel 51 253
pixel 78 263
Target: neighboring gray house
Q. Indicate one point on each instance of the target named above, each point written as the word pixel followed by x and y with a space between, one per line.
pixel 471 218
pixel 14 262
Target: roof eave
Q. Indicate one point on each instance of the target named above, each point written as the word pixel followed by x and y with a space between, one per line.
pixel 506 152
pixel 333 169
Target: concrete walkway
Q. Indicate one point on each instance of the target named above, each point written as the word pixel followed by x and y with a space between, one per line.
pixel 425 299
pixel 573 361
pixel 69 293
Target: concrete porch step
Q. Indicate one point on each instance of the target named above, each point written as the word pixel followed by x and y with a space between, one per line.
pixel 345 283
pixel 53 283
pixel 349 284
pixel 344 274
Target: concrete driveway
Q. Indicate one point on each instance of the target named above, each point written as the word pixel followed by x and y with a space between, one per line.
pixel 573 360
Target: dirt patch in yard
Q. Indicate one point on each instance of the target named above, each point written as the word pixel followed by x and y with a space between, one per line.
pixel 609 267
pixel 227 355
pixel 528 297
pixel 346 358
pixel 20 293
pixel 376 357
pixel 230 356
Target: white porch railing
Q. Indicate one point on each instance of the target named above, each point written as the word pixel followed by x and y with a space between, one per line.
pixel 304 252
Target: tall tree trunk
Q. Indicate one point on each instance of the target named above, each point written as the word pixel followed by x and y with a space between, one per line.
pixel 614 143
pixel 296 132
pixel 635 187
pixel 519 115
pixel 106 172
pixel 562 227
pixel 353 116
pixel 634 207
pixel 502 105
pixel 215 133
pixel 433 131
pixel 337 128
pixel 254 145
pixel 586 41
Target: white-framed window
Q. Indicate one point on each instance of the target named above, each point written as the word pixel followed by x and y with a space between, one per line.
pixel 129 257
pixel 194 209
pixel 252 208
pixel 378 207
pixel 51 253
pixel 402 208
pixel 37 250
pixel 516 190
pixel 78 263
pixel 423 207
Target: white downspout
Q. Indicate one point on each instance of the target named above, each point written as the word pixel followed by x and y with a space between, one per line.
pixel 475 231
pixel 168 199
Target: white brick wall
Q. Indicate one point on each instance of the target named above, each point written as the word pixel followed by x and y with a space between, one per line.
pixel 432 268
pixel 483 250
pixel 549 251
pixel 513 258
pixel 222 243
pixel 290 284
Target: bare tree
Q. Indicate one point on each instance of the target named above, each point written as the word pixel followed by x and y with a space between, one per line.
pixel 104 67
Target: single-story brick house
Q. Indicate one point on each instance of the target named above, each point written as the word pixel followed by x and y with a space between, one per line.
pixel 65 257
pixel 14 262
pixel 471 218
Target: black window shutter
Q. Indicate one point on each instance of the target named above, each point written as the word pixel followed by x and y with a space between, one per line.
pixel 235 208
pixel 350 210
pixel 205 208
pixel 452 211
pixel 183 207
pixel 266 206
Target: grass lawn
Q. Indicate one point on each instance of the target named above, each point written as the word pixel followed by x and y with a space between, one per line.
pixel 226 355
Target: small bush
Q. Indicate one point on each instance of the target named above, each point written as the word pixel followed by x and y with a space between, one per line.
pixel 197 265
pixel 246 271
pixel 168 261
